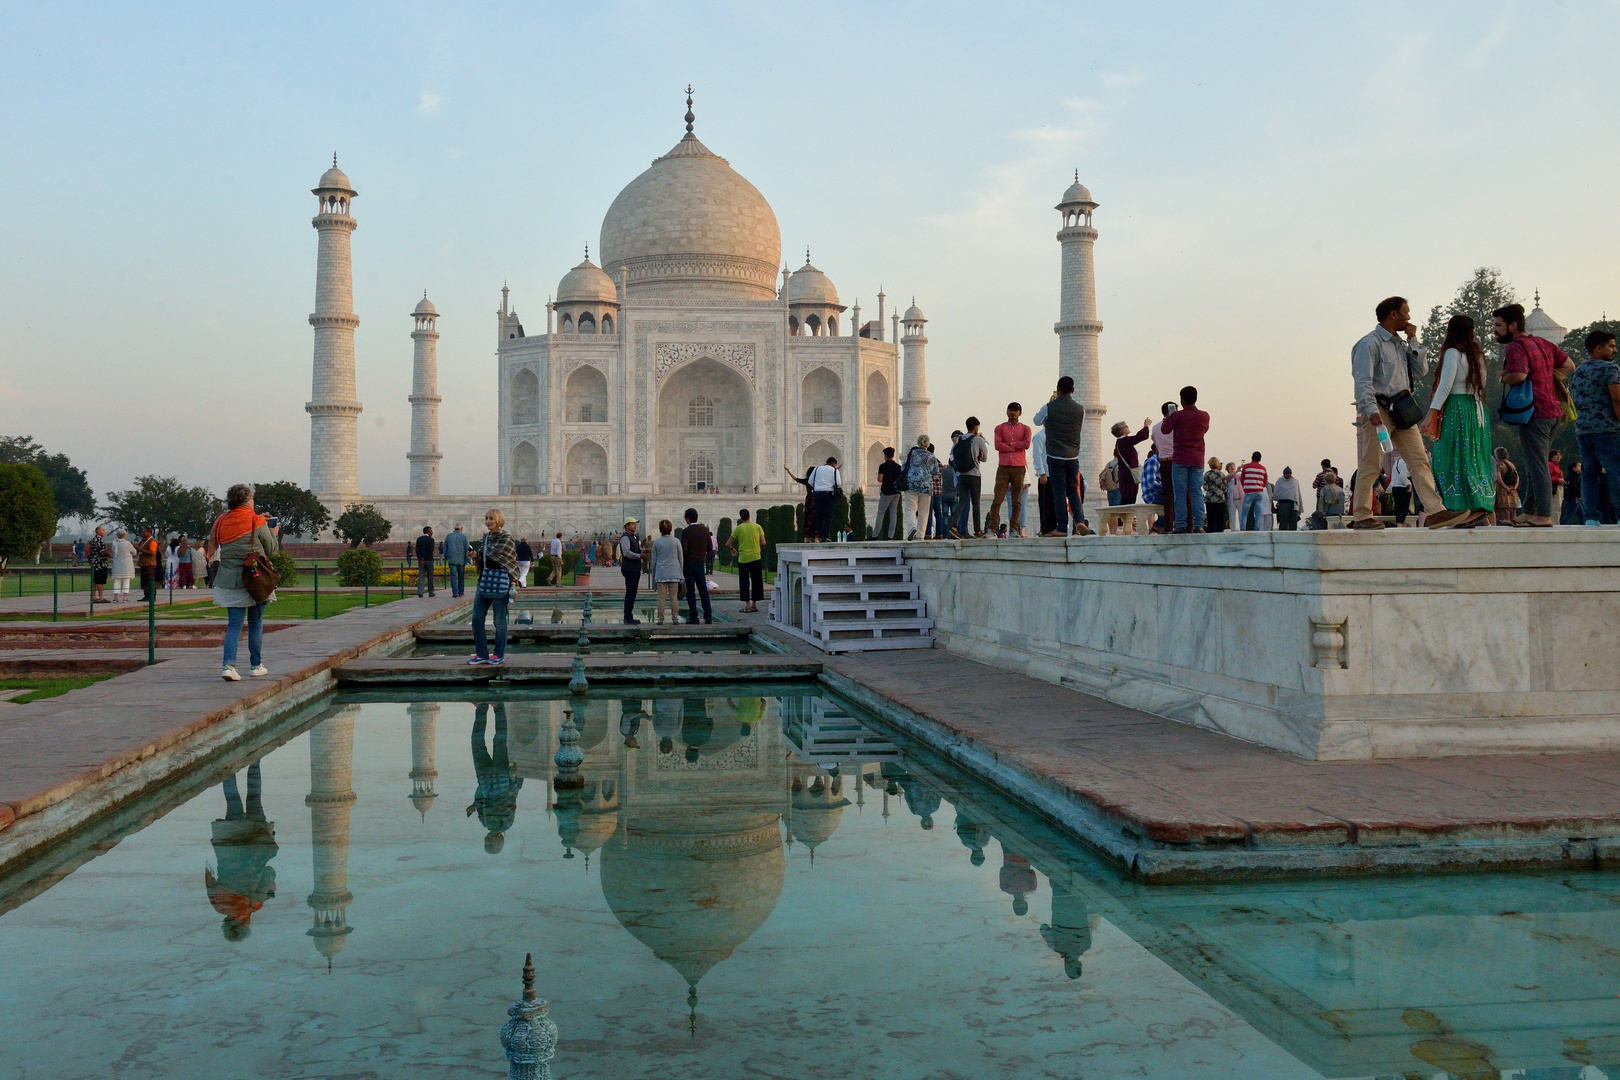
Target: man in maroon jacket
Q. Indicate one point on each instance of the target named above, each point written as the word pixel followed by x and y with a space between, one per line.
pixel 1188 424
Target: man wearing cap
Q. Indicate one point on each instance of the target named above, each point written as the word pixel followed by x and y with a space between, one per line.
pixel 630 566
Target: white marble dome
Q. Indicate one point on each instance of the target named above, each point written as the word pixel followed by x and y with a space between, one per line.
pixel 1077 193
pixel 425 307
pixel 334 179
pixel 807 285
pixel 692 226
pixel 587 283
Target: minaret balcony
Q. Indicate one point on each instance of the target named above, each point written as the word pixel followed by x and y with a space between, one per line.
pixel 348 322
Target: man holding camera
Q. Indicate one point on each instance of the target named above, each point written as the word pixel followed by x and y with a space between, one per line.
pixel 1383 367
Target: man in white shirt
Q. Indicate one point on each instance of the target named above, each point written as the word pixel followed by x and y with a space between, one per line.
pixel 555 578
pixel 1165 443
pixel 825 483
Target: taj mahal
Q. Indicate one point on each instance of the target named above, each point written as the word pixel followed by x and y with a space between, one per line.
pixel 688 367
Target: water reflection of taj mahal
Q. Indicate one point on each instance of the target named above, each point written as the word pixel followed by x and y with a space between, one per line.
pixel 689 807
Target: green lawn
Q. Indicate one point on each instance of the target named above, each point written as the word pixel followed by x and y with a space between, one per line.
pixel 49 687
pixel 289 605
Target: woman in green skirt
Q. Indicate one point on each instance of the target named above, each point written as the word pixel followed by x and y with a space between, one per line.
pixel 1463 470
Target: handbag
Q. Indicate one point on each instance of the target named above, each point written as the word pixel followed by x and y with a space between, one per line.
pixel 494 583
pixel 259 575
pixel 1404 411
pixel 1518 403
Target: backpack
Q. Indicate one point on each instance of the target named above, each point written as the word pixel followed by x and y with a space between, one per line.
pixel 962 458
pixel 917 478
pixel 1518 403
pixel 1108 479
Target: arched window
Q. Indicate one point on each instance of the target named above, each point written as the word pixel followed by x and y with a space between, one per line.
pixel 877 400
pixel 566 324
pixel 587 323
pixel 607 324
pixel 832 326
pixel 525 398
pixel 525 469
pixel 700 412
pixel 700 472
pixel 812 323
pixel 585 397
pixel 793 326
pixel 821 396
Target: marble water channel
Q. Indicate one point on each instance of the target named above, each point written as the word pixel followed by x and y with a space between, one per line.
pixel 755 881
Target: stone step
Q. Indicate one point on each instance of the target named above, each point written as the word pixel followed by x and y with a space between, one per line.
pixel 555 668
pixel 895 634
pixel 899 590
pixel 893 575
pixel 854 611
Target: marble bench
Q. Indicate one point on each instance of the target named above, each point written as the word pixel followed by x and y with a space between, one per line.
pixel 1131 519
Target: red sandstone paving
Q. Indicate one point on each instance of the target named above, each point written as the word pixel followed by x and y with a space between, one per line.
pixel 1177 782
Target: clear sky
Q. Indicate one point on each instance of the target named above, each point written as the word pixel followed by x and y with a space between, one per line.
pixel 1266 174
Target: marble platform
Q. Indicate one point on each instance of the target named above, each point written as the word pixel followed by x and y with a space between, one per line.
pixel 1327 645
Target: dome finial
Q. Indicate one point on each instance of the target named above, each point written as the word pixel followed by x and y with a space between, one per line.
pixel 334 159
pixel 587 253
pixel 807 254
pixel 689 116
pixel 1077 176
pixel 1538 298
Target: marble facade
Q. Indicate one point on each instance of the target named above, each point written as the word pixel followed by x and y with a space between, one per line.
pixel 1325 645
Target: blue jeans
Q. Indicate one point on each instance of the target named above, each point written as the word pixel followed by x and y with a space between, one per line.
pixel 1189 481
pixel 1251 510
pixel 458 580
pixel 1115 498
pixel 481 607
pixel 944 511
pixel 233 632
pixel 967 498
pixel 697 585
pixel 1064 474
pixel 1598 451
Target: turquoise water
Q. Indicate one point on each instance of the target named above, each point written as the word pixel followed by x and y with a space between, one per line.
pixel 761 885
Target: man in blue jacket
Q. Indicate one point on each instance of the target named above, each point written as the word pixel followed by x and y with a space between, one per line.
pixel 455 557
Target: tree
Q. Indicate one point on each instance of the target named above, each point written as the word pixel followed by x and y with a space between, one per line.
pixel 298 510
pixel 1575 341
pixel 70 488
pixel 163 504
pixel 27 512
pixel 361 524
pixel 840 516
pixel 857 515
pixel 721 535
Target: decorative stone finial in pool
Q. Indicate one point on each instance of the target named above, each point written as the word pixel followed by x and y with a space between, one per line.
pixel 576 676
pixel 529 1037
pixel 585 610
pixel 584 642
pixel 568 756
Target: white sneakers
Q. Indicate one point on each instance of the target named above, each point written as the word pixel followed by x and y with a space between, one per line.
pixel 229 674
pixel 258 671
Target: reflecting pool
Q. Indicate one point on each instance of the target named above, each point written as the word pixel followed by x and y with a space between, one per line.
pixel 761 882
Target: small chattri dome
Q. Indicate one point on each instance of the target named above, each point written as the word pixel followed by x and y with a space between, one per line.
pixel 1077 193
pixel 334 179
pixel 425 307
pixel 587 283
pixel 1539 324
pixel 807 285
pixel 913 313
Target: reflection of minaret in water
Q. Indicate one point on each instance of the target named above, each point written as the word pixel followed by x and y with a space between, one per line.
pixel 331 766
pixel 424 742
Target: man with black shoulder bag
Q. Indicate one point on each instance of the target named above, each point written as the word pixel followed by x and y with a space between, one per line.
pixel 1385 369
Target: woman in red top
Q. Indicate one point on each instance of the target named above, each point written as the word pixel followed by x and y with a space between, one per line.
pixel 1130 471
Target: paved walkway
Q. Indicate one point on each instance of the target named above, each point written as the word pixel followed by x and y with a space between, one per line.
pixel 53 749
pixel 1178 801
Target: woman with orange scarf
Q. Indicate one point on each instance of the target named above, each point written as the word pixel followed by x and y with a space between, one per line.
pixel 236 533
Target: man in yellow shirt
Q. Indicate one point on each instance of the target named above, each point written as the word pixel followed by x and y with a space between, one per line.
pixel 748 541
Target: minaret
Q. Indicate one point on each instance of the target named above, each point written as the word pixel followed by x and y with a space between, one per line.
pixel 1077 327
pixel 424 742
pixel 331 765
pixel 878 333
pixel 334 456
pixel 424 454
pixel 914 396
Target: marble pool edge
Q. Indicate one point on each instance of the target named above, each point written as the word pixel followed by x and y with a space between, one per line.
pixel 1157 863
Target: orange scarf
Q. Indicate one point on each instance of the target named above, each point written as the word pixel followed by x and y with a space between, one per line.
pixel 234 524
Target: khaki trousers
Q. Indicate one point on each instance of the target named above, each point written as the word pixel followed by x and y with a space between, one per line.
pixel 1409 446
pixel 1008 478
pixel 666 594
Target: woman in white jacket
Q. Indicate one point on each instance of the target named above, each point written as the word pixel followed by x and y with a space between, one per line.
pixel 123 566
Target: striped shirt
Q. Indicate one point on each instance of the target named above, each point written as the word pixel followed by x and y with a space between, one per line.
pixel 1253 477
